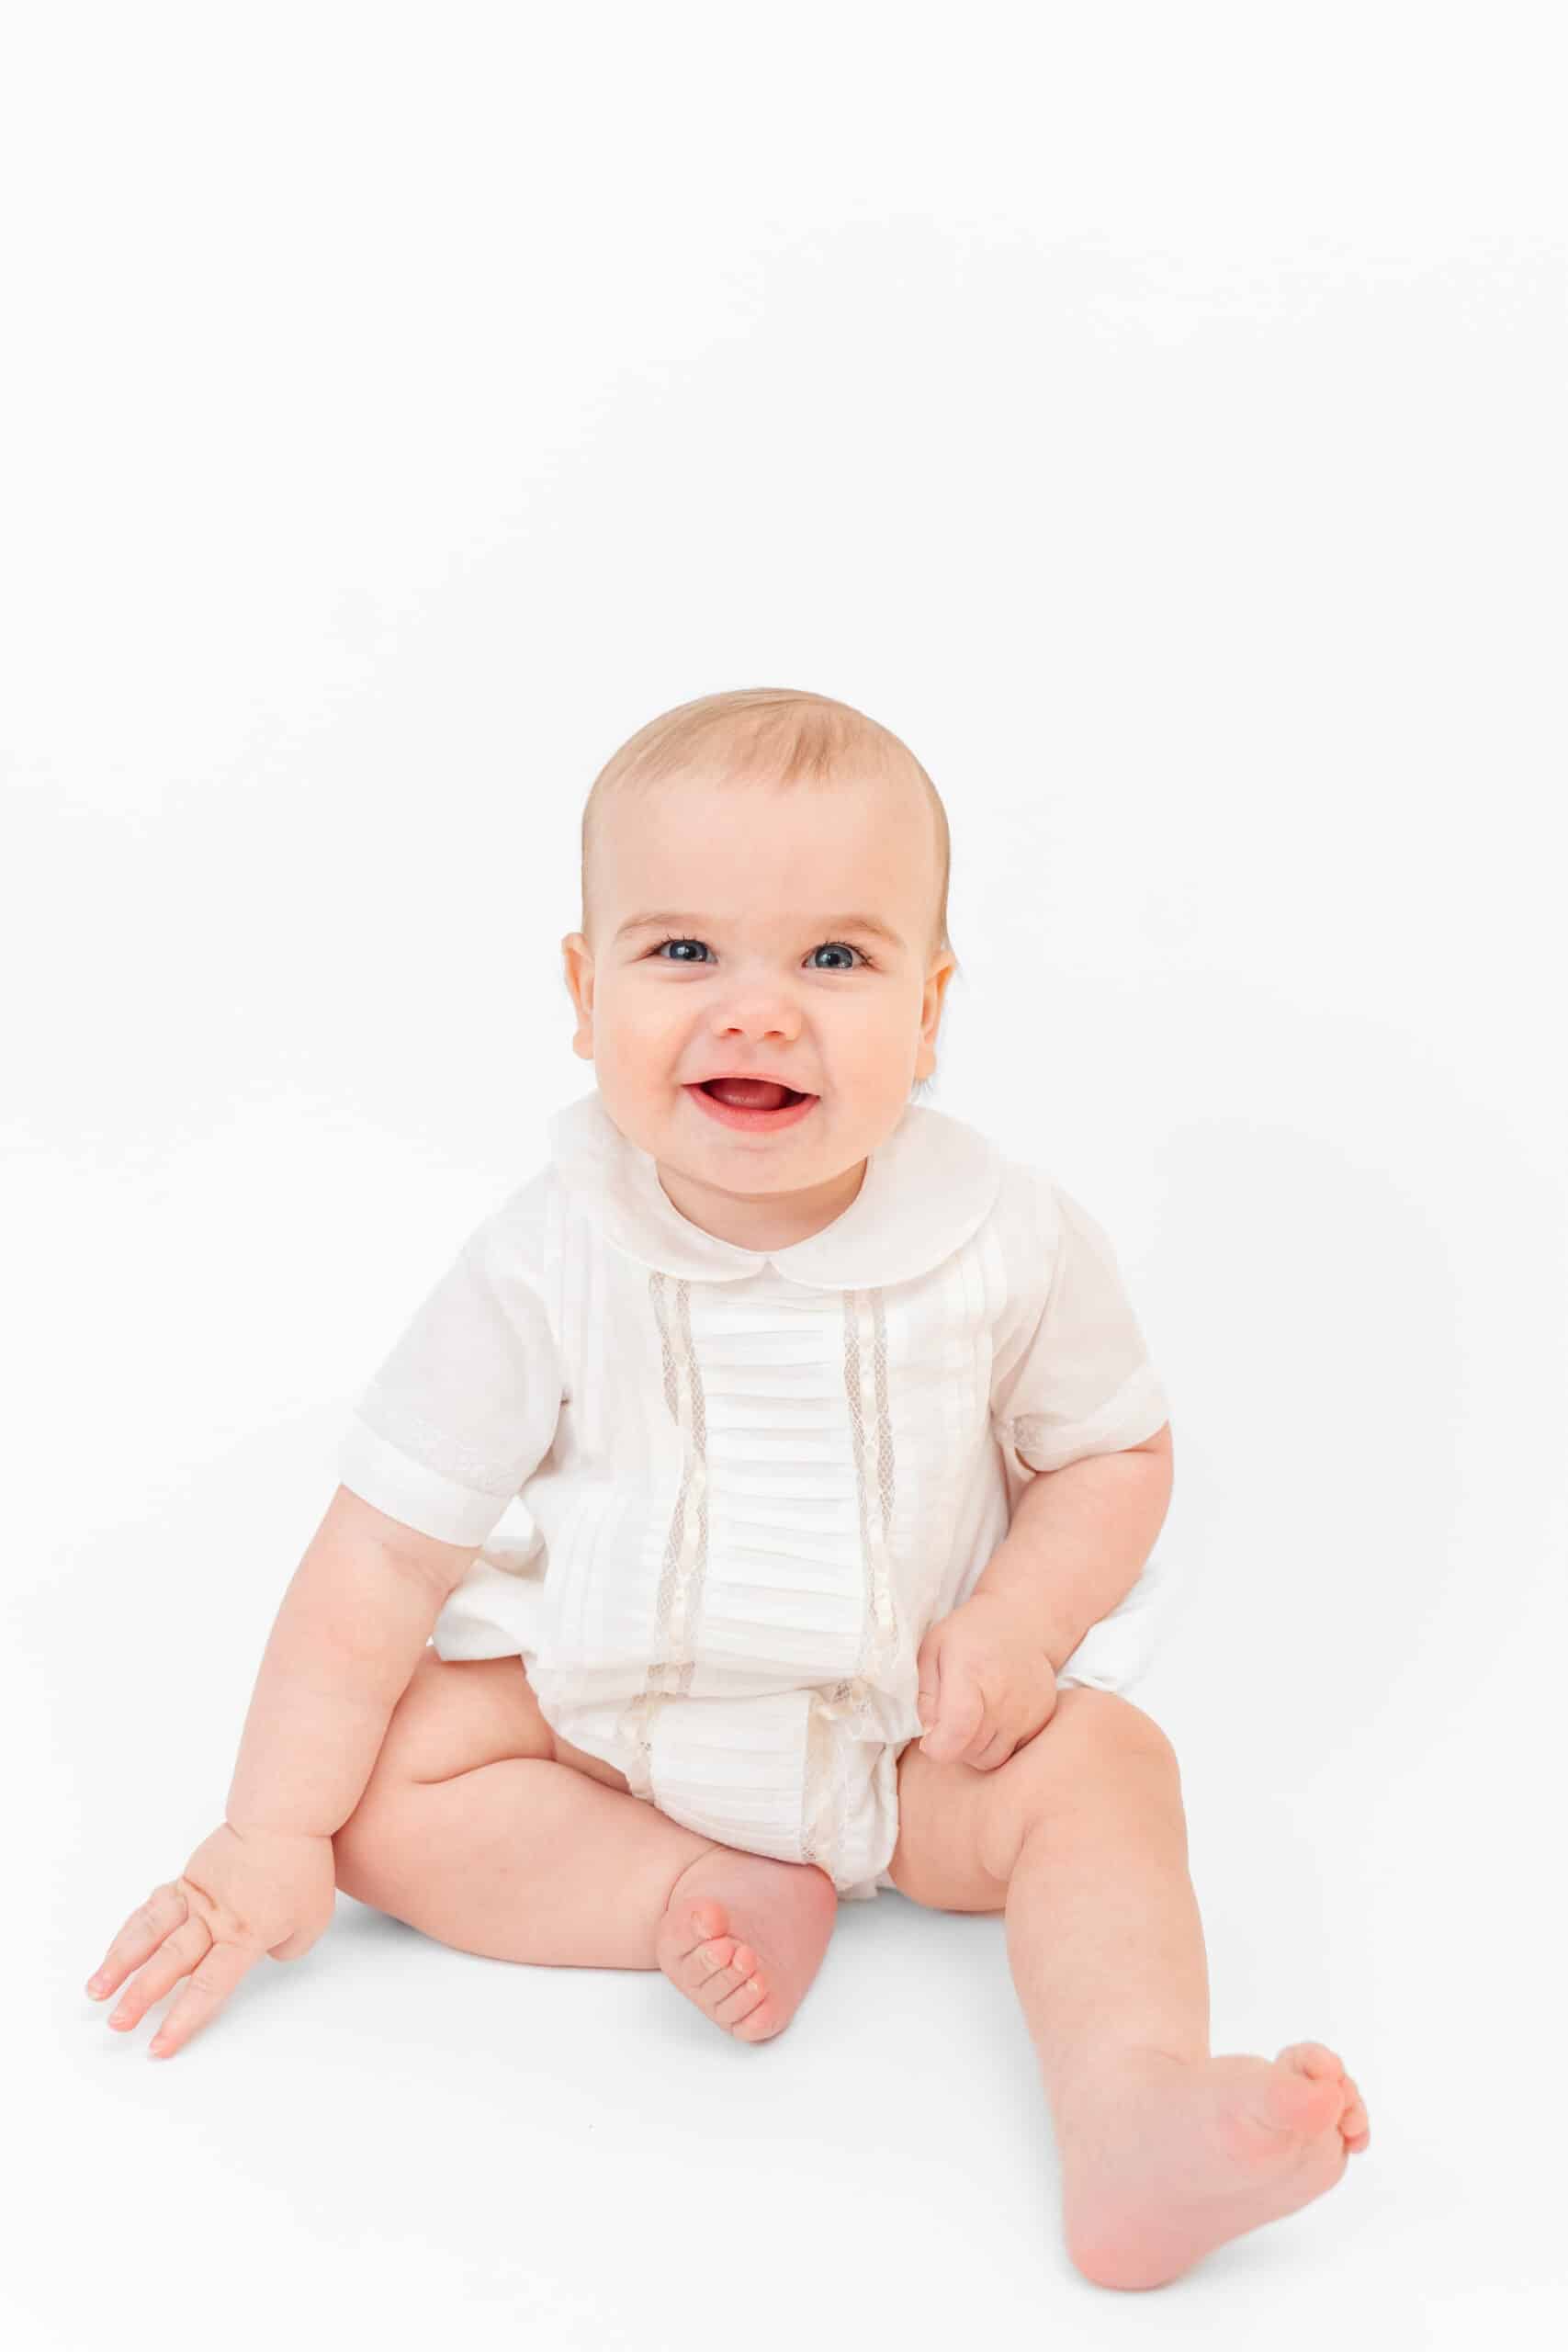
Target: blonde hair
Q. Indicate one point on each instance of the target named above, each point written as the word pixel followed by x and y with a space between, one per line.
pixel 766 734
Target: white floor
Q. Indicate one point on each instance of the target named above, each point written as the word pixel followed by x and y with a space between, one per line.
pixel 397 2136
pixel 1151 414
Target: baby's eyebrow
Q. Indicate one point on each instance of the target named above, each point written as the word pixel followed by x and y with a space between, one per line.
pixel 870 926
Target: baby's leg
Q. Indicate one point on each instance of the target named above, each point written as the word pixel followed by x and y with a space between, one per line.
pixel 483 1829
pixel 1167 2150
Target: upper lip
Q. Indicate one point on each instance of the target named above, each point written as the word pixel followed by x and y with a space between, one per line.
pixel 771 1077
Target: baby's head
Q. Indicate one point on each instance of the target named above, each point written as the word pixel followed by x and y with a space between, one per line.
pixel 764 892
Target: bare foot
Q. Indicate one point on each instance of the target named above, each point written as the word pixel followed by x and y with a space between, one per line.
pixel 1163 2161
pixel 744 1935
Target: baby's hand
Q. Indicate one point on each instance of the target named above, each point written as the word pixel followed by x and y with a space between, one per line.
pixel 241 1893
pixel 985 1685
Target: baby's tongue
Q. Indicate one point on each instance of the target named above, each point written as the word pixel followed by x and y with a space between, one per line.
pixel 750 1093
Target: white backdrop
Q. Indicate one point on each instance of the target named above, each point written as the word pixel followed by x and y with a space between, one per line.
pixel 1154 416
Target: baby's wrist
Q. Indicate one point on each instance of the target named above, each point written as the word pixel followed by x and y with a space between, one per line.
pixel 1036 1625
pixel 254 1831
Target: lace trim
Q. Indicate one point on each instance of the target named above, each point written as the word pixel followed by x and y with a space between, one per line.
pixel 865 1387
pixel 849 1704
pixel 825 1797
pixel 844 1712
pixel 684 1564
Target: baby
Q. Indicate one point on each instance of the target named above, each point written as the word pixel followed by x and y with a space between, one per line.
pixel 835 1460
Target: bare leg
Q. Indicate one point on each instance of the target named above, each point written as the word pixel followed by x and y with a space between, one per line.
pixel 524 1859
pixel 1167 2150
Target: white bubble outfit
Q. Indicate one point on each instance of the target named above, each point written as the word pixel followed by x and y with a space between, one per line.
pixel 722 1493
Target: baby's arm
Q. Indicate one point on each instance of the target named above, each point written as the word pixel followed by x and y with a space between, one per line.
pixel 1079 1539
pixel 343 1650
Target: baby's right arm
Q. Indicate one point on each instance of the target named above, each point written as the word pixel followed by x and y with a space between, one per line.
pixel 343 1650
pixel 341 1653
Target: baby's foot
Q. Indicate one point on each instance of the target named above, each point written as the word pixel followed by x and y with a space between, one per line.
pixel 744 1935
pixel 1163 2162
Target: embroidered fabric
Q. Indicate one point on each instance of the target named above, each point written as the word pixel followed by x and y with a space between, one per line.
pixel 838 1816
pixel 721 1493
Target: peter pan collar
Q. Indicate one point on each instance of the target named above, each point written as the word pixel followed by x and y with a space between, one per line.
pixel 925 1191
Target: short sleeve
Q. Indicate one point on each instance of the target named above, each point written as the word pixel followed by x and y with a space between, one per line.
pixel 1075 1378
pixel 464 1407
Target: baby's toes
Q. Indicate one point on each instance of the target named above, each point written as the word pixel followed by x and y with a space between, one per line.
pixel 1309 2095
pixel 706 1921
pixel 734 1993
pixel 1320 2064
pixel 727 1983
pixel 1312 2058
pixel 701 1968
pixel 753 2014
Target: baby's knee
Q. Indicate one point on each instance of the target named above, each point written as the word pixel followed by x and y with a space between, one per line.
pixel 1089 1722
pixel 1096 1741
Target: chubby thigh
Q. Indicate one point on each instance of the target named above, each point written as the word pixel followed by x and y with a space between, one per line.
pixel 458 1713
pixel 959 1830
pixel 942 1811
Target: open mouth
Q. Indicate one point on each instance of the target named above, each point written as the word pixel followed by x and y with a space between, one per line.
pixel 789 1094
pixel 759 1104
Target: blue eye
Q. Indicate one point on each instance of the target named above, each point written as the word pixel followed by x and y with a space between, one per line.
pixel 671 940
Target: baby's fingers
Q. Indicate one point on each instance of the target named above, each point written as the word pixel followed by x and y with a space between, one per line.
pixel 202 1998
pixel 164 1909
pixel 175 1958
pixel 963 1712
pixel 995 1751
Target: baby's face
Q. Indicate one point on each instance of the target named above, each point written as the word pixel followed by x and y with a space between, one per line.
pixel 723 944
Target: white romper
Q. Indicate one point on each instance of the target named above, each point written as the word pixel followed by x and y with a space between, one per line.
pixel 722 1493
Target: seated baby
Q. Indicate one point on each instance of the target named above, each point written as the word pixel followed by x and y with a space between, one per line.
pixel 778 1473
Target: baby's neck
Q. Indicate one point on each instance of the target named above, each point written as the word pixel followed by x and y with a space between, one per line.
pixel 761 1220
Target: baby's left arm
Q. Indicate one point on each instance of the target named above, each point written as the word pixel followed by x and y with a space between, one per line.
pixel 1079 1539
pixel 1078 1544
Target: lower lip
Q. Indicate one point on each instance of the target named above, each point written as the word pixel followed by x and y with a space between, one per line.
pixel 762 1122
